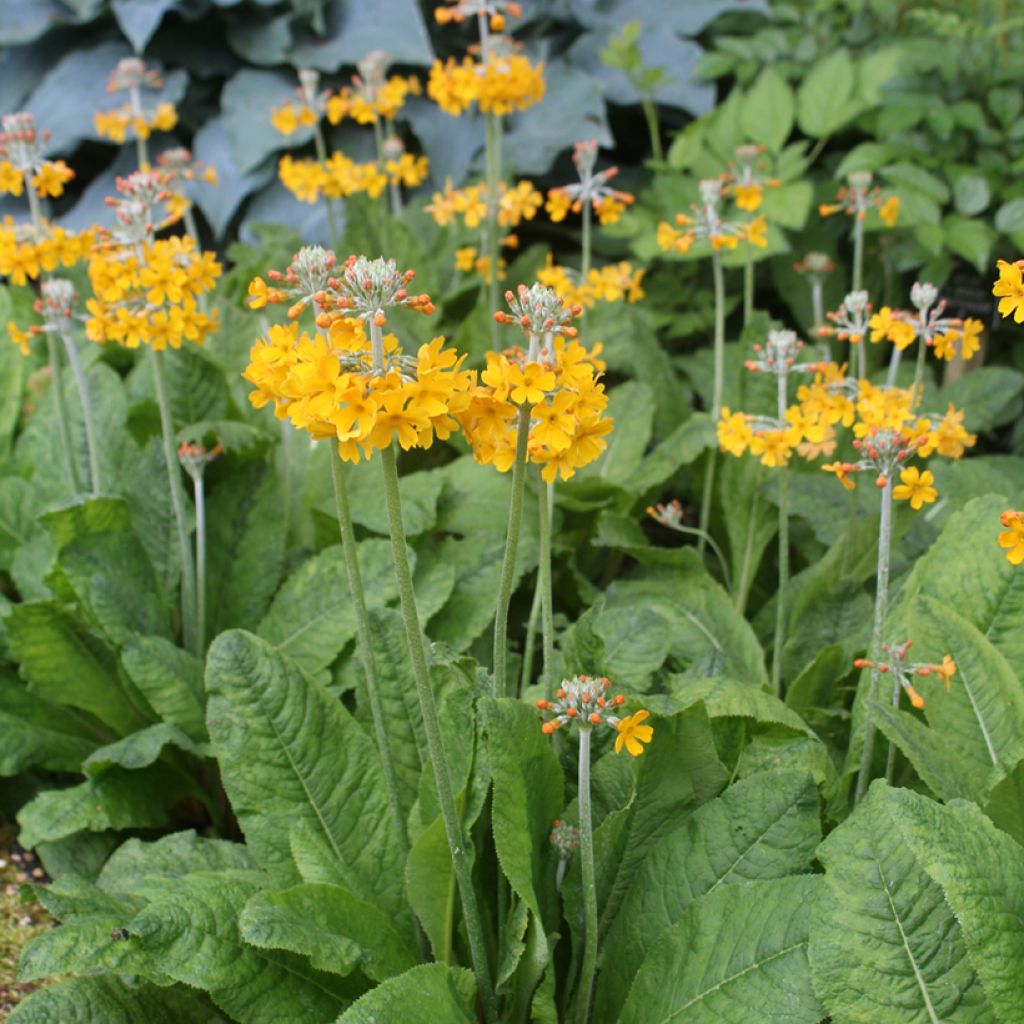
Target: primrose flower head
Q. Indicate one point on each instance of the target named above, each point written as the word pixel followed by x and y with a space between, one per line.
pixel 816 266
pixel 744 181
pixel 1012 540
pixel 1009 289
pixel 593 189
pixel 539 310
pixel 194 458
pixel 366 288
pixel 564 838
pixel 896 665
pixel 133 73
pixel 585 700
pixel 705 222
pixel 858 196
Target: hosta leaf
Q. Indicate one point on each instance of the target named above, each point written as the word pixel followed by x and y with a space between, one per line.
pixel 312 618
pixel 738 955
pixel 884 942
pixel 430 992
pixel 170 679
pixel 336 930
pixel 980 870
pixel 763 827
pixel 290 754
pixel 114 1000
pixel 246 549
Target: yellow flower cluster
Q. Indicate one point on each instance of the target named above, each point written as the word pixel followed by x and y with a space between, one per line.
pixel 325 385
pixel 366 106
pixel 499 85
pixel 149 296
pixel 615 282
pixel 24 258
pixel 566 399
pixel 672 239
pixel 609 208
pixel 1009 289
pixel 515 204
pixel 858 196
pixel 290 116
pixel 339 176
pixel 48 180
pixel 1012 540
pixel 115 124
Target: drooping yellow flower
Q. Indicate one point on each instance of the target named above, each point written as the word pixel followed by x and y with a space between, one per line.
pixel 889 211
pixel 1009 289
pixel 734 432
pixel 632 734
pixel 915 487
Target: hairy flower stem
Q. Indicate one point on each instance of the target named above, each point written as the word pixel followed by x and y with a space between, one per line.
pixel 890 757
pixel 586 243
pixel 492 170
pixel 321 155
pixel 526 675
pixel 780 608
pixel 91 445
pixel 651 116
pixel 508 565
pixel 748 288
pixel 199 499
pixel 586 982
pixel 60 405
pixel 435 742
pixel 894 366
pixel 188 568
pixel 858 252
pixel 141 149
pixel 862 359
pixel 817 304
pixel 544 508
pixel 881 600
pixel 716 393
pixel 917 393
pixel 365 646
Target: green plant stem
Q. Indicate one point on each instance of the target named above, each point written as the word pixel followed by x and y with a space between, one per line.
pixel 782 400
pixel 63 428
pixel 435 741
pixel 817 304
pixel 894 366
pixel 365 646
pixel 188 568
pixel 321 155
pixel 492 170
pixel 199 498
pixel 526 676
pixel 91 444
pixel 862 359
pixel 917 393
pixel 716 392
pixel 395 187
pixel 748 288
pixel 586 242
pixel 890 757
pixel 586 982
pixel 508 565
pixel 141 149
pixel 858 253
pixel 746 576
pixel 881 600
pixel 651 116
pixel 545 500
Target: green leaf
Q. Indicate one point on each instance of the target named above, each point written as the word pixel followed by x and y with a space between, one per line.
pixel 312 617
pixel 1010 217
pixel 17 517
pixel 768 110
pixel 866 156
pixel 971 194
pixel 990 396
pixel 12 381
pixel 64 663
pixel 434 992
pixel 114 1000
pixel 883 940
pixel 246 549
pixel 749 524
pixel 917 178
pixel 971 239
pixel 170 679
pixel 631 407
pixel 336 930
pixel 291 755
pixel 149 499
pixel 876 68
pixel 1006 803
pixel 825 99
pixel 140 749
pixel 763 827
pixel 789 204
pixel 729 698
pixel 739 953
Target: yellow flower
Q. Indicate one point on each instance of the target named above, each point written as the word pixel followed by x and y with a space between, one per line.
pixel 19 337
pixel 880 324
pixel 51 178
pixel 734 433
pixel 772 447
pixel 558 204
pixel 946 670
pixel 842 471
pixel 915 487
pixel 949 438
pixel 632 734
pixel 945 345
pixel 889 211
pixel 756 233
pixel 970 341
pixel 529 384
pixel 1013 539
pixel 1009 289
pixel 465 258
pixel 670 239
pixel 902 334
pixel 11 181
pixel 748 196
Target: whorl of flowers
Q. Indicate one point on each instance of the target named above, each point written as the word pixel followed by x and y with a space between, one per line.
pixel 21 159
pixel 347 382
pixel 55 305
pixel 744 181
pixel 858 196
pixel 372 96
pixel 25 253
pixel 585 701
pixel 146 290
pixel 515 203
pixel 607 203
pixel 900 669
pixel 178 168
pixel 614 282
pixel 132 76
pixel 492 12
pixel 815 266
pixel 500 84
pixel 705 221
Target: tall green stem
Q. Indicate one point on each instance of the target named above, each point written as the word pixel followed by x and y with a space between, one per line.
pixel 60 405
pixel 881 600
pixel 586 983
pixel 746 576
pixel 858 252
pixel 917 393
pixel 716 393
pixel 188 568
pixel 894 366
pixel 748 287
pixel 321 155
pixel 365 647
pixel 545 500
pixel 508 565
pixel 492 170
pixel 91 444
pixel 586 242
pixel 817 304
pixel 782 400
pixel 141 149
pixel 862 358
pixel 199 499
pixel 435 741
pixel 651 116
pixel 890 757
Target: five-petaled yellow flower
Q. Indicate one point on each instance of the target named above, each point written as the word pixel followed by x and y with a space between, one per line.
pixel 633 735
pixel 1009 289
pixel 915 487
pixel 1013 539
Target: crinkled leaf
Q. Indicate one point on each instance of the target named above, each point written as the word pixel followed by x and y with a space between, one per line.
pixel 434 992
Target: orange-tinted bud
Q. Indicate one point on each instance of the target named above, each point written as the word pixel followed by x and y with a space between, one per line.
pixel 549 727
pixel 915 698
pixel 543 704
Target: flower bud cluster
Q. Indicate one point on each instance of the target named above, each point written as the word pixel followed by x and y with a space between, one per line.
pixel 778 355
pixel 593 189
pixel 132 75
pixel 744 181
pixel 565 838
pixel 858 196
pixel 539 311
pixel 903 671
pixel 584 700
pixel 194 458
pixel 816 266
pixel 706 222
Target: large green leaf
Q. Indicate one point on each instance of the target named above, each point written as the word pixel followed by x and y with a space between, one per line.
pixel 336 930
pixel 148 496
pixel 170 679
pixel 763 827
pixel 246 549
pixel 17 517
pixel 737 954
pixel 980 870
pixel 114 1000
pixel 290 755
pixel 140 749
pixel 825 99
pixel 727 698
pixel 430 992
pixel 884 943
pixel 768 109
